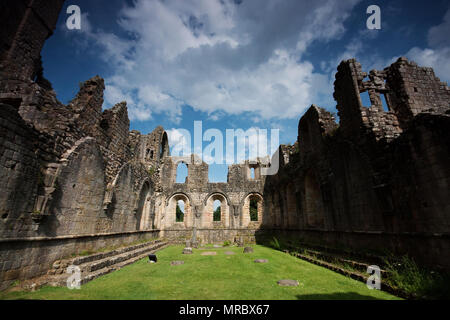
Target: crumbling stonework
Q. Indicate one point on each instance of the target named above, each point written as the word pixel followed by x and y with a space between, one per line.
pixel 26 24
pixel 74 177
pixel 199 195
pixel 378 181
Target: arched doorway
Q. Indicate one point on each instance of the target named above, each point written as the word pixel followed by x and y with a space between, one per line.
pixel 253 209
pixel 178 212
pixel 81 174
pixel 217 211
pixel 144 208
pixel 164 146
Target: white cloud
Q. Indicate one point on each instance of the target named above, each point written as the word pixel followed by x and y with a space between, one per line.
pixel 438 36
pixel 218 56
pixel 179 141
pixel 437 55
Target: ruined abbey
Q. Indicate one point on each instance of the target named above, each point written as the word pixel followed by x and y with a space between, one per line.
pixel 74 178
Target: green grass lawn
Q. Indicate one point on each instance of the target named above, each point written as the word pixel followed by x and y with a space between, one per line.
pixel 218 277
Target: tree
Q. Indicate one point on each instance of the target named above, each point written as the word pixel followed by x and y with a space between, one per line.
pixel 253 210
pixel 179 214
pixel 216 214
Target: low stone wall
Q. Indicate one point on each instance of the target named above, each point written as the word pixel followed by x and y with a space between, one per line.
pixel 24 258
pixel 211 235
pixel 428 249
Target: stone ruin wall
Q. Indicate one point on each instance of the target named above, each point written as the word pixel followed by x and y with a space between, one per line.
pixel 378 181
pixel 71 176
pixel 199 194
pixel 74 177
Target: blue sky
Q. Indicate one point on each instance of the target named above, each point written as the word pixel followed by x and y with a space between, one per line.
pixel 235 64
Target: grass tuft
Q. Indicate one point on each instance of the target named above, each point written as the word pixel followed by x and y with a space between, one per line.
pixel 419 282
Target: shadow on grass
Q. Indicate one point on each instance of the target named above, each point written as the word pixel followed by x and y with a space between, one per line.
pixel 336 296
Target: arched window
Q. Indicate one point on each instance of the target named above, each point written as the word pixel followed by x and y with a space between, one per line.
pixel 179 211
pixel 149 154
pixel 217 207
pixel 164 146
pixel 252 173
pixel 182 173
pixel 217 211
pixel 143 213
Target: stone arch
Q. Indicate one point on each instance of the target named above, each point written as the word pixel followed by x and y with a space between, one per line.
pixel 123 199
pixel 207 216
pixel 178 193
pixel 110 199
pixel 218 193
pixel 245 218
pixel 149 154
pixel 78 191
pixel 170 215
pixel 163 146
pixel 144 217
pixel 251 193
pixel 314 206
pixel 146 180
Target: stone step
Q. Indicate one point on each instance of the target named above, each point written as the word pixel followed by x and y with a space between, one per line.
pixel 93 275
pixel 98 256
pixel 60 267
pixel 354 256
pixel 331 257
pixel 117 258
pixel 95 269
pixel 385 286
